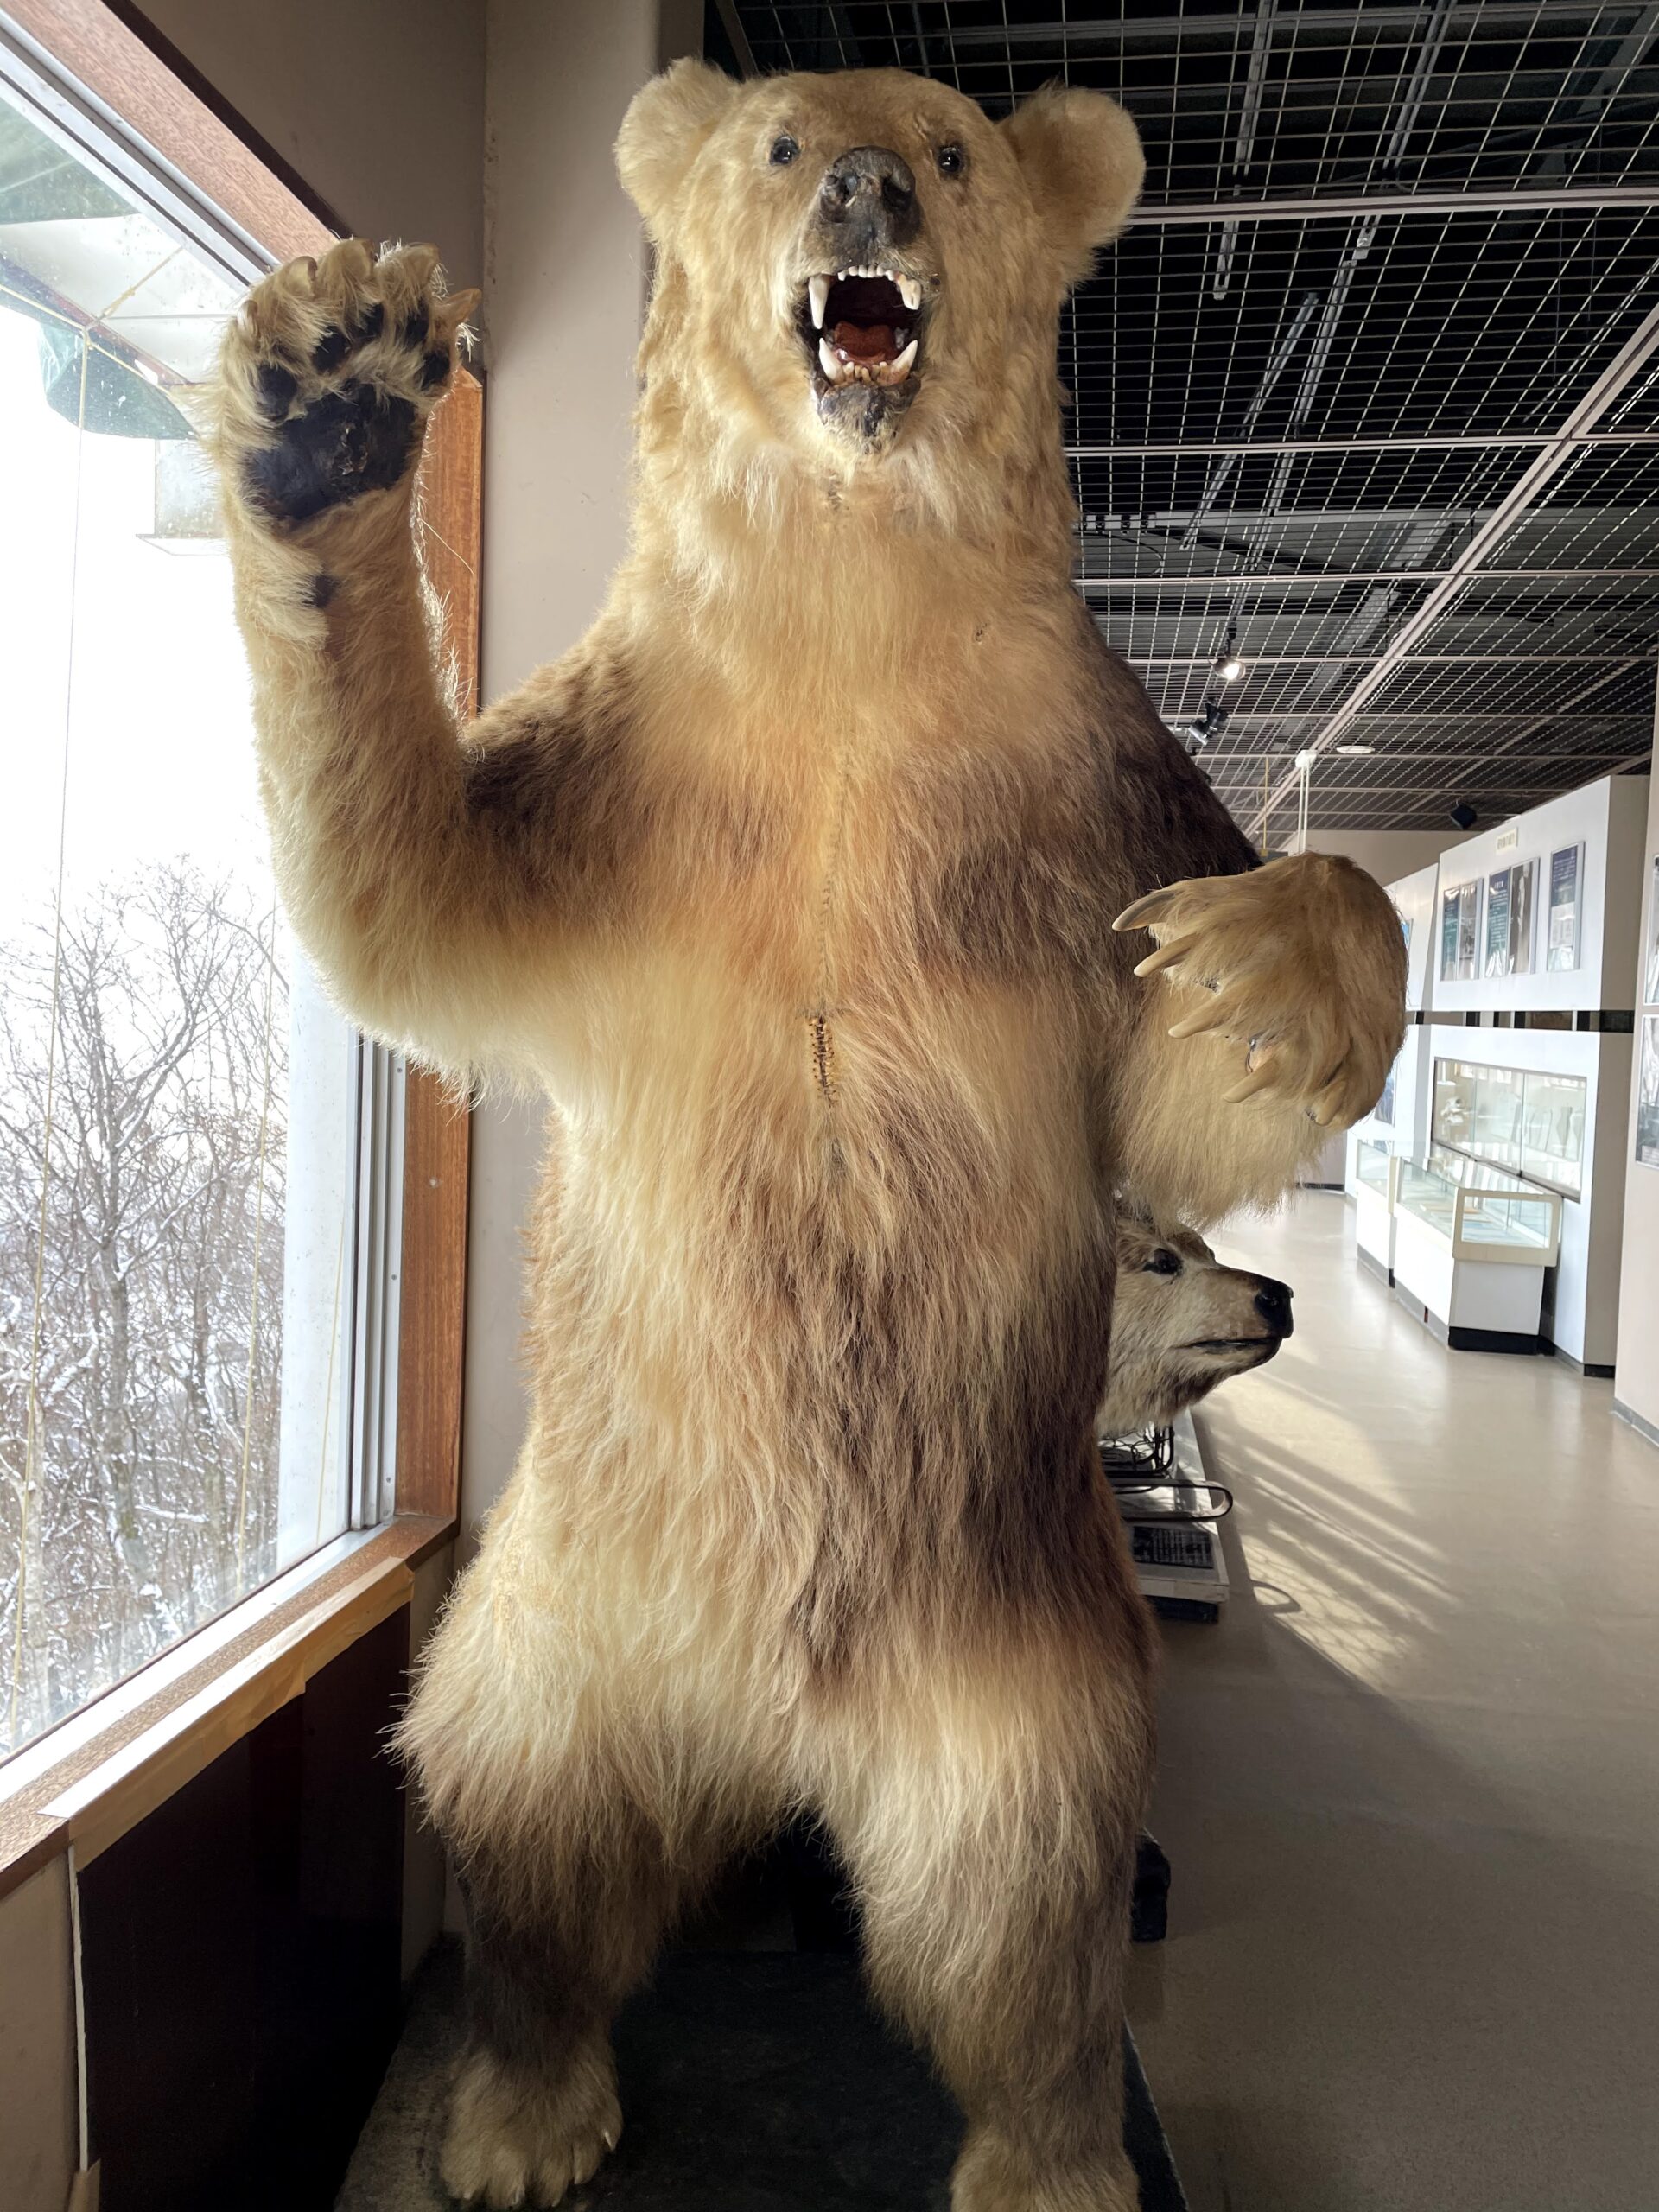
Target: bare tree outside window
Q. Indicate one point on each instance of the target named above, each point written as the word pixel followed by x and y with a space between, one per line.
pixel 177 1140
pixel 141 1296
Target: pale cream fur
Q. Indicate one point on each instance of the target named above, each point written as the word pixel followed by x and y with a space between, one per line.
pixel 791 887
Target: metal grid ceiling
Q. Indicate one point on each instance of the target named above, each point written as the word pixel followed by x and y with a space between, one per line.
pixel 1372 388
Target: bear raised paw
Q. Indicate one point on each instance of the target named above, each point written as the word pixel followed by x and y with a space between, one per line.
pixel 326 377
pixel 793 886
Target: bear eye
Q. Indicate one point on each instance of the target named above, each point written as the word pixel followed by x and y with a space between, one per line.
pixel 1162 1262
pixel 784 150
pixel 951 159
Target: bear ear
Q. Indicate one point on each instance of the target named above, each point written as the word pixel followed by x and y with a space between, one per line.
pixel 1080 155
pixel 666 122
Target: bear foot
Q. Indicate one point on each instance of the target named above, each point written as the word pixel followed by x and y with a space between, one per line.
pixel 994 2175
pixel 519 2139
pixel 327 376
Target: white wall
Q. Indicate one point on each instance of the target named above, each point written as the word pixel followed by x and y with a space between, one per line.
pixel 1385 854
pixel 1414 897
pixel 1610 818
pixel 1636 1378
pixel 564 291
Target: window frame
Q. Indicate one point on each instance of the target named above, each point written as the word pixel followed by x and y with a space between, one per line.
pixel 86 1781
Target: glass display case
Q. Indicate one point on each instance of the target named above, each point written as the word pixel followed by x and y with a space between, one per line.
pixel 1374 1164
pixel 1523 1120
pixel 1483 1213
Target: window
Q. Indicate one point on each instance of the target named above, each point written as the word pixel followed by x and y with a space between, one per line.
pixel 200 1167
pixel 1522 1119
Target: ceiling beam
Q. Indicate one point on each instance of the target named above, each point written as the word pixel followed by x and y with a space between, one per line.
pixel 1473 440
pixel 1227 579
pixel 1344 207
pixel 1237 717
pixel 1181 30
pixel 1626 365
pixel 1253 661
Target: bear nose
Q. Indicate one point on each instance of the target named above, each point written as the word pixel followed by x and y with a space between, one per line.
pixel 1273 1304
pixel 876 183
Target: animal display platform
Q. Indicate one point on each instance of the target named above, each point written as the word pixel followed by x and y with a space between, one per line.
pixel 752 2082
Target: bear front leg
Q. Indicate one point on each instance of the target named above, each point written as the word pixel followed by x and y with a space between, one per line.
pixel 1275 1008
pixel 1307 963
pixel 391 873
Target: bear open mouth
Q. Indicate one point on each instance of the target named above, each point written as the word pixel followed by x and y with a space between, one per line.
pixel 1233 1344
pixel 863 326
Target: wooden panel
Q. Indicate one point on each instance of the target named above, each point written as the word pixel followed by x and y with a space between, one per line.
pixel 240 1961
pixel 43 1803
pixel 127 64
pixel 438 1126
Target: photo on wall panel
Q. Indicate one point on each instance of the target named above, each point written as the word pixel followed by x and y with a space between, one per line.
pixel 1647 1095
pixel 1565 869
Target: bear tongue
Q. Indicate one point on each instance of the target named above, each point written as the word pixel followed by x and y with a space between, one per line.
pixel 861 341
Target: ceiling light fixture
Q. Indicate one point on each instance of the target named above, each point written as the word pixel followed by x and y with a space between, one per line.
pixel 1353 752
pixel 1229 667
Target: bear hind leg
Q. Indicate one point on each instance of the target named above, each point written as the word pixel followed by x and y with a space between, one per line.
pixel 993 1863
pixel 554 1945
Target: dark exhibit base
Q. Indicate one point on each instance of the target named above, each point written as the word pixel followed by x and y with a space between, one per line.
pixel 752 2082
pixel 1460 1340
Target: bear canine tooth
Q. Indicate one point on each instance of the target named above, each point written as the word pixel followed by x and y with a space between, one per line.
pixel 837 371
pixel 819 288
pixel 910 291
pixel 896 372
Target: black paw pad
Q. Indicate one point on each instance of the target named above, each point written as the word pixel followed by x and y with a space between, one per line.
pixel 415 330
pixel 351 441
pixel 331 348
pixel 275 388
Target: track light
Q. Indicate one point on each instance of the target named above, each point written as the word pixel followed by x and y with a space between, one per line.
pixel 1229 667
pixel 1464 816
pixel 1353 752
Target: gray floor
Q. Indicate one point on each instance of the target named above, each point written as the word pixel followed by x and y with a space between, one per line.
pixel 1410 1783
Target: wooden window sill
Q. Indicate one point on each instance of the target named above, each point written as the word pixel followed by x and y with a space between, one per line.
pixel 98 1774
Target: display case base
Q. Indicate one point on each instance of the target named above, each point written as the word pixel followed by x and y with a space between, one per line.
pixel 1457 1338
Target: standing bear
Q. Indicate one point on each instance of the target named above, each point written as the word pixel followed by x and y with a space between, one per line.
pixel 793 886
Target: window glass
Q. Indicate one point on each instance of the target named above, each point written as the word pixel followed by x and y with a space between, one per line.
pixel 176 1098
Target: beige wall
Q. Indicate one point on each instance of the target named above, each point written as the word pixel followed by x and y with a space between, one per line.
pixel 39 2125
pixel 378 104
pixel 1636 1373
pixel 564 288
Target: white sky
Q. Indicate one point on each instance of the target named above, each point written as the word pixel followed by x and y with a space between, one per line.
pixel 150 707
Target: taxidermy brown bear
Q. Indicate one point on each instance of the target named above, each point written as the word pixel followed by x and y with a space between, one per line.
pixel 793 887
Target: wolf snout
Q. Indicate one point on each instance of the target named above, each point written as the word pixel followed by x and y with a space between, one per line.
pixel 1273 1304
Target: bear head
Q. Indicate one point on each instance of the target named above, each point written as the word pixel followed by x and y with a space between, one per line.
pixel 856 263
pixel 1181 1323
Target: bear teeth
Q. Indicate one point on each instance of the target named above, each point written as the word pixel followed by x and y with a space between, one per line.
pixel 819 288
pixel 839 370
